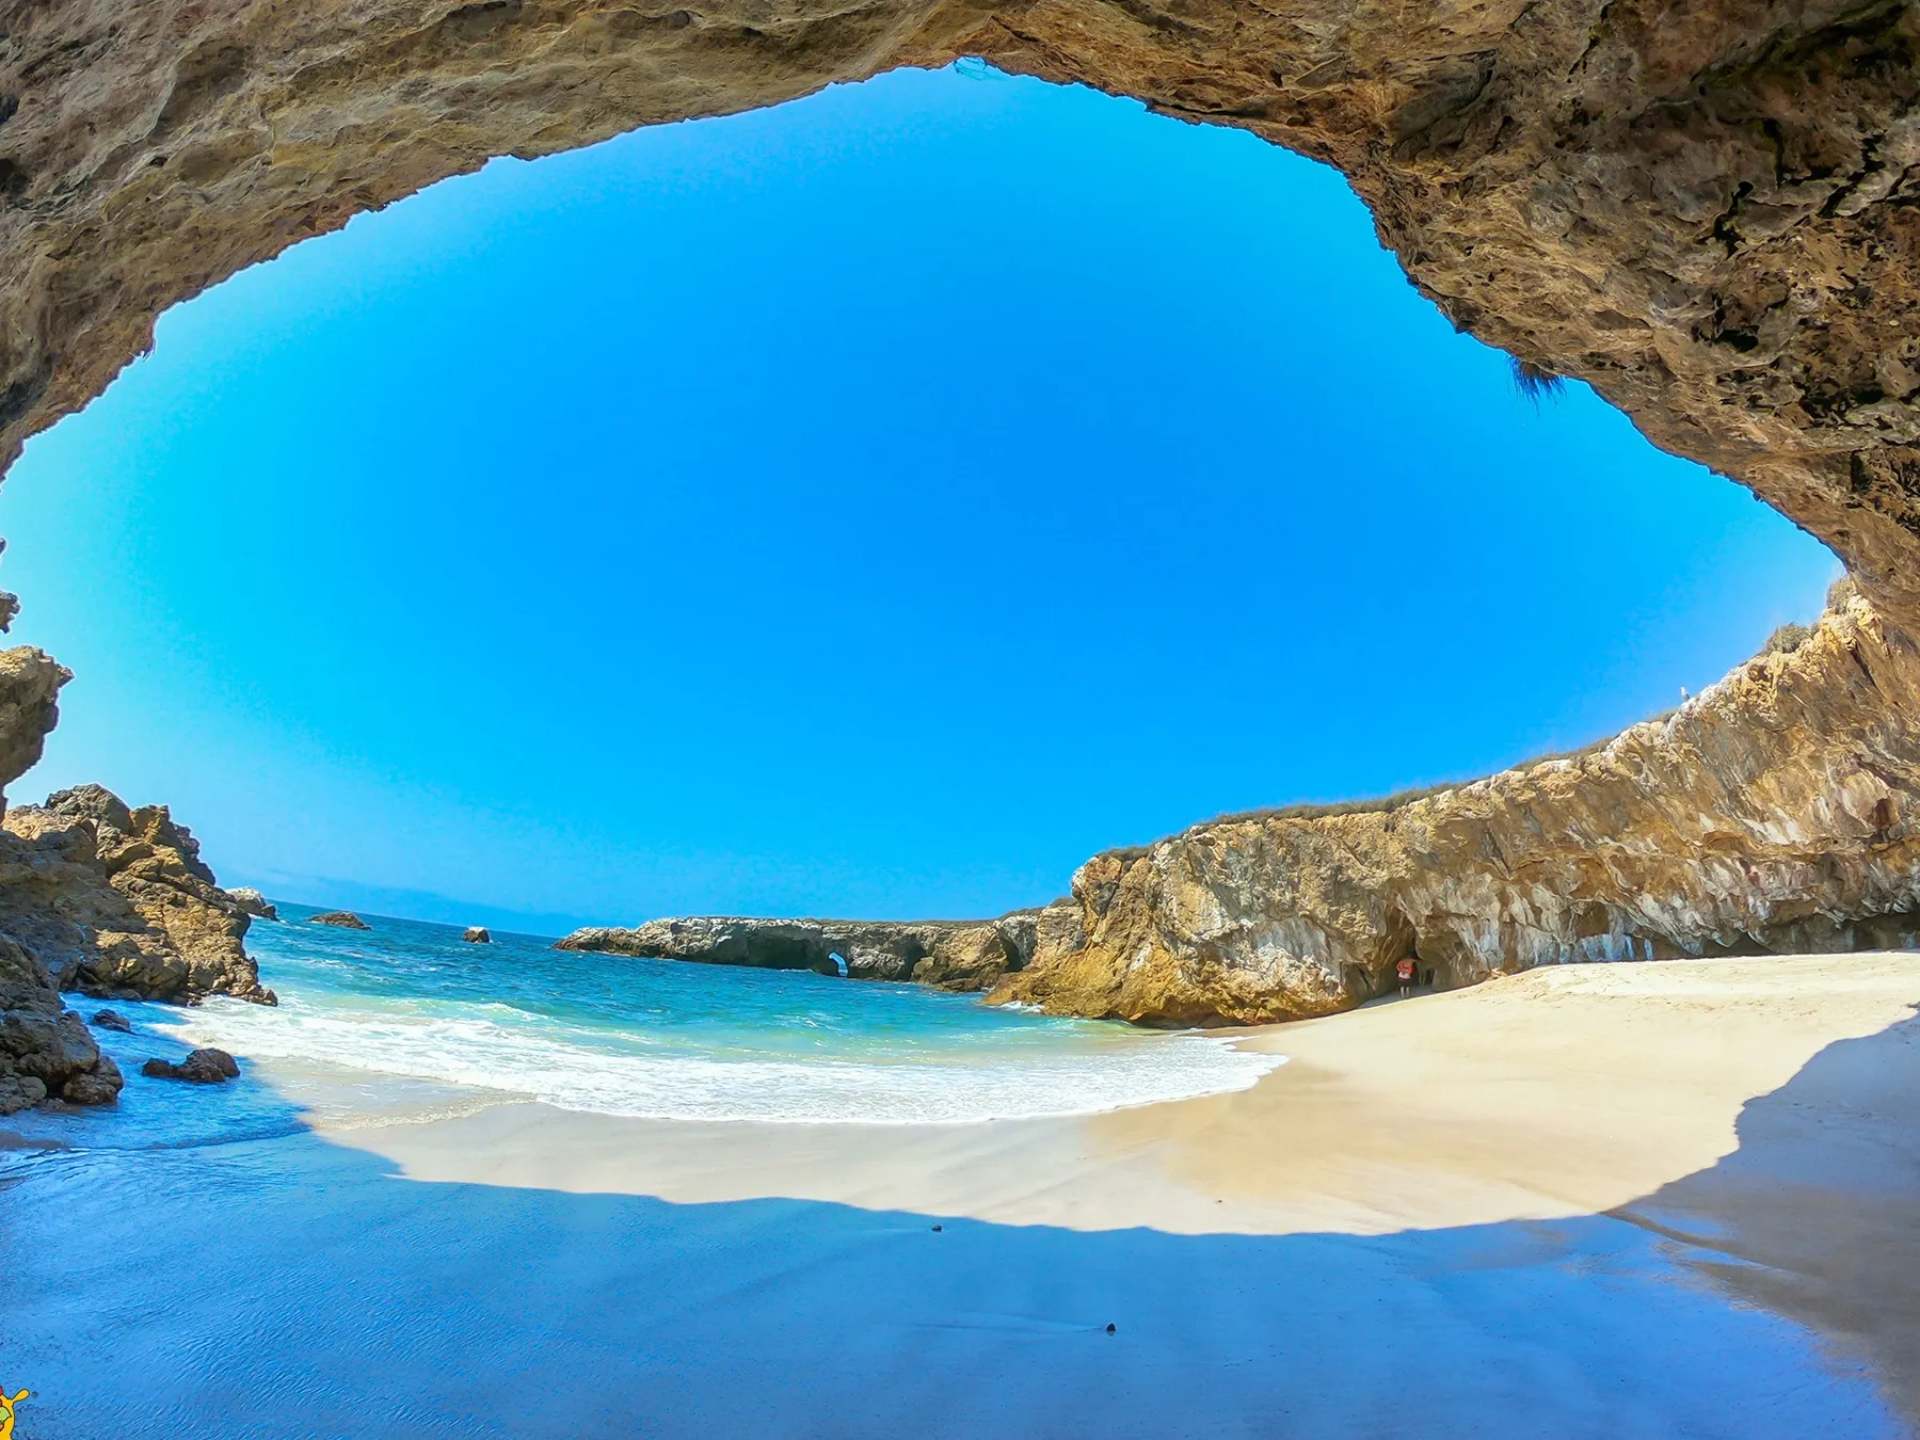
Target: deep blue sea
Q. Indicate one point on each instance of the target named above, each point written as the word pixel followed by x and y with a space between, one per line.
pixel 406 1020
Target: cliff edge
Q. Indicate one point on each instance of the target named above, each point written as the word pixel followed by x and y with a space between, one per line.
pixel 1771 813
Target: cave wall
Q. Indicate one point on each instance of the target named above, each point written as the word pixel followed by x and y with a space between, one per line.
pixel 1709 210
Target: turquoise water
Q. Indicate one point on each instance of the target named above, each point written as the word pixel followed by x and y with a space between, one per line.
pixel 408 1019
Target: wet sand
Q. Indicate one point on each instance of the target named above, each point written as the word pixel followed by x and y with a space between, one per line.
pixel 1607 1200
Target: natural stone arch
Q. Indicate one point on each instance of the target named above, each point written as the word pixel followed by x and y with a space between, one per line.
pixel 1708 209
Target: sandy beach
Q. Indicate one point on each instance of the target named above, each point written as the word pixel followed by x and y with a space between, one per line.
pixel 1648 1199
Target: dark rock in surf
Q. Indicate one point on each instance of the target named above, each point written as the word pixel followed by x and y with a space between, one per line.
pixel 342 919
pixel 46 1052
pixel 202 1067
pixel 477 935
pixel 113 1020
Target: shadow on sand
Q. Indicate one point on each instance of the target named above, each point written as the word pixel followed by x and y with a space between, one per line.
pixel 285 1286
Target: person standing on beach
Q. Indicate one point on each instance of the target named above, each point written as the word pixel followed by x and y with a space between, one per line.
pixel 1405 971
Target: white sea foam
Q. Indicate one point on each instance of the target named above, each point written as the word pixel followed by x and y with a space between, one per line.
pixel 498 1051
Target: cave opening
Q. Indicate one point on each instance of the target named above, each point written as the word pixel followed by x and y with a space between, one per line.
pixel 1237 420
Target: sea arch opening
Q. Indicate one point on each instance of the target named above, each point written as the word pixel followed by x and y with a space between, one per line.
pixel 421 349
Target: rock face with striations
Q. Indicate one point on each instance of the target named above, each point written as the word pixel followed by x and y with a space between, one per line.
pixel 1776 811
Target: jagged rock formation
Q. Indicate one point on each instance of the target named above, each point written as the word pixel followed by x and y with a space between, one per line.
pixel 1774 812
pixel 30 682
pixel 252 902
pixel 93 897
pixel 119 904
pixel 949 954
pixel 340 920
pixel 1707 210
pixel 45 1050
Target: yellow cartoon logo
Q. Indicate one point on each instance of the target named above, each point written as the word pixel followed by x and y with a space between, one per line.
pixel 6 1412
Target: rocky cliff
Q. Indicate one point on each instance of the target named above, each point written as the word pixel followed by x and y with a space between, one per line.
pixel 95 897
pixel 1773 812
pixel 118 903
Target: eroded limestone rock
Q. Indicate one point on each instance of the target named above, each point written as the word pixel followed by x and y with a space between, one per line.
pixel 118 902
pixel 1774 812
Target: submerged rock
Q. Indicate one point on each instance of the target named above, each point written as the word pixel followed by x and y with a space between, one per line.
pixel 45 1049
pixel 342 919
pixel 477 935
pixel 252 902
pixel 113 1020
pixel 202 1067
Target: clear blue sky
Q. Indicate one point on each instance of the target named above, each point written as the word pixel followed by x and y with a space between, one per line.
pixel 872 506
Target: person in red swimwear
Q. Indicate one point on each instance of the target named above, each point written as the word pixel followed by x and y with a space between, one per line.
pixel 1405 972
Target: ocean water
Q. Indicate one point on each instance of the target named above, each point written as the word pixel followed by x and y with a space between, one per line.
pixel 408 1021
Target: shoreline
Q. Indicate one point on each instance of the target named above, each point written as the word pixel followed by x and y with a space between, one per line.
pixel 1563 1091
pixel 1594 1201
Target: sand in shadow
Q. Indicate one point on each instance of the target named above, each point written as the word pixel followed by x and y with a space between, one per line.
pixel 288 1287
pixel 1817 1214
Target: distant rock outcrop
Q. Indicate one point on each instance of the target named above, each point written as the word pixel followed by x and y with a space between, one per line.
pixel 341 919
pixel 478 935
pixel 45 1049
pixel 949 954
pixel 118 904
pixel 252 902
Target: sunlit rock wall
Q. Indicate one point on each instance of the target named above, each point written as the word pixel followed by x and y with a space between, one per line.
pixel 1773 812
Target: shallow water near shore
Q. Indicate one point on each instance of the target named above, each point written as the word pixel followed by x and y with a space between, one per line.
pixel 406 1020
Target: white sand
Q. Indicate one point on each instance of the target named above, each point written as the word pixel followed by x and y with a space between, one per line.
pixel 1643 1200
pixel 1558 1093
